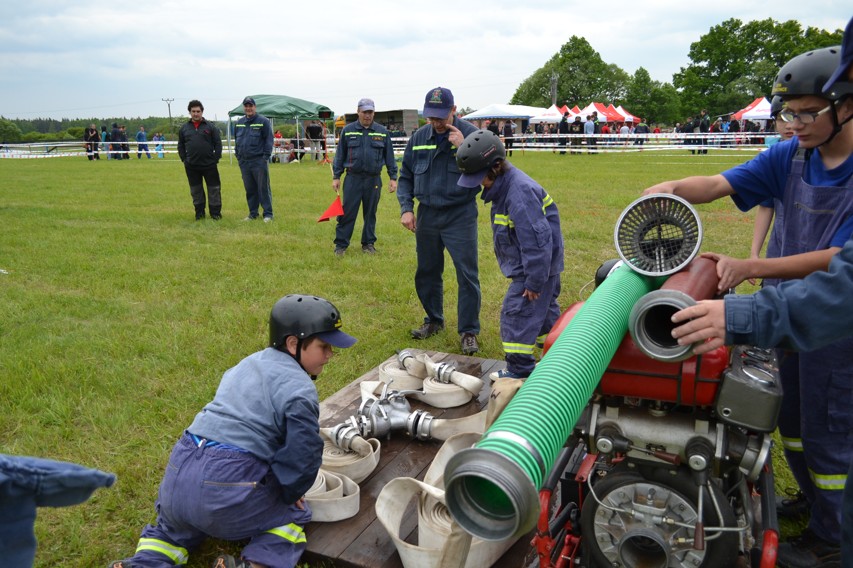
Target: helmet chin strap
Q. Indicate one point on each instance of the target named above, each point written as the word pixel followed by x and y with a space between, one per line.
pixel 836 126
pixel 298 357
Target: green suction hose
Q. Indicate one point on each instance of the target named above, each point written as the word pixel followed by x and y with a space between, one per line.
pixel 492 488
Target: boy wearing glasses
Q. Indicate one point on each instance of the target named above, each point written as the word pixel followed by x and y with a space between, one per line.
pixel 811 176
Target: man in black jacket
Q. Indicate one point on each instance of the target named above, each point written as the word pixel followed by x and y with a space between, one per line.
pixel 200 147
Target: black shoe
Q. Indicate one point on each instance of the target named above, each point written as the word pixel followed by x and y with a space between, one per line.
pixel 340 251
pixel 120 564
pixel 793 505
pixel 199 217
pixel 808 551
pixel 369 249
pixel 469 344
pixel 428 329
pixel 215 216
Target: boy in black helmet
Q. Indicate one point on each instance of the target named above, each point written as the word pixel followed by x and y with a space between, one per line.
pixel 811 177
pixel 528 245
pixel 241 469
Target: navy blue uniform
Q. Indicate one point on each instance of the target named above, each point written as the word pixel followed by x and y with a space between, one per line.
pixel 361 154
pixel 253 146
pixel 528 245
pixel 446 219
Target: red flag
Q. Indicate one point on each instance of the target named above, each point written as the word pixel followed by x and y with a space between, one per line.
pixel 335 209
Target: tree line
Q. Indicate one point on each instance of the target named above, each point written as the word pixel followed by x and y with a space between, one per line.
pixel 730 66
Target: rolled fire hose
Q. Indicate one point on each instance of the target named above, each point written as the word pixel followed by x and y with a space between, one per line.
pixel 333 497
pixel 357 463
pixel 492 488
pixel 421 365
pixel 650 324
pixel 432 390
pixel 434 522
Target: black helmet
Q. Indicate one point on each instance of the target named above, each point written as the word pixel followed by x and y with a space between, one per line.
pixel 479 152
pixel 807 73
pixel 776 106
pixel 303 316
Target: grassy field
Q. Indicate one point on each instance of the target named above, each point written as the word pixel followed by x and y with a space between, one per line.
pixel 119 312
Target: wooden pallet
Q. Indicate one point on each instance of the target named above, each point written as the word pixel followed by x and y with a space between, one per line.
pixel 362 541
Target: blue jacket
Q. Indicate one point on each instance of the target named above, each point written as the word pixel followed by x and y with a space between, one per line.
pixel 268 406
pixel 799 314
pixel 364 151
pixel 429 172
pixel 253 138
pixel 525 228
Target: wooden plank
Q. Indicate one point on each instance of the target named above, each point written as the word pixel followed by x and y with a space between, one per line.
pixel 362 541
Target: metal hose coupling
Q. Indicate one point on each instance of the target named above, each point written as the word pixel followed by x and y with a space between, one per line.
pixel 650 322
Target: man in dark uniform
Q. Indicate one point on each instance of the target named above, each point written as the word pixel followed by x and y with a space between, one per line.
pixel 447 218
pixel 364 148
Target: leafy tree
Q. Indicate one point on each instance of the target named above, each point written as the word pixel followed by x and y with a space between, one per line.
pixel 735 62
pixel 582 77
pixel 9 131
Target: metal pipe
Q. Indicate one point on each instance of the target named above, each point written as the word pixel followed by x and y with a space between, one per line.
pixel 650 324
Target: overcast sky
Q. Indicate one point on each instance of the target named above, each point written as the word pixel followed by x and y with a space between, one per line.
pixel 114 58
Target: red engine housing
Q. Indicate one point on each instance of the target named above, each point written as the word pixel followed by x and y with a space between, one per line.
pixel 631 373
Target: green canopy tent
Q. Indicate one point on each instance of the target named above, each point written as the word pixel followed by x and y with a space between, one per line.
pixel 284 108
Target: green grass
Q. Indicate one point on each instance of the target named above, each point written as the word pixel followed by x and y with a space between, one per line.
pixel 119 313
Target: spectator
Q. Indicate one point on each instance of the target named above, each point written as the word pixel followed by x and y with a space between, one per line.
pixel 105 138
pixel 810 168
pixel 253 146
pixel 528 245
pixel 142 143
pixel 702 126
pixel 576 129
pixel 200 148
pixel 241 469
pixel 492 126
pixel 125 147
pixel 589 132
pixel 91 138
pixel 315 135
pixel 365 147
pixel 446 218
pixel 508 133
pixel 115 138
pixel 563 129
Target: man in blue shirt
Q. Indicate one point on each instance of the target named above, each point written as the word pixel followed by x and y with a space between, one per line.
pixel 364 147
pixel 446 218
pixel 142 143
pixel 253 146
pixel 812 178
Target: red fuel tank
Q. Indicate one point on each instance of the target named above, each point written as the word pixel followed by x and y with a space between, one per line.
pixel 631 373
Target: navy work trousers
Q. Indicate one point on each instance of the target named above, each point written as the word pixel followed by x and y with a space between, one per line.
pixel 256 181
pixel 360 190
pixel 455 229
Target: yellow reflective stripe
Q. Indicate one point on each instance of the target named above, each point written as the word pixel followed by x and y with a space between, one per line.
pixel 828 482
pixel 519 348
pixel 541 339
pixel 425 147
pixel 176 554
pixel 354 134
pixel 240 126
pixel 546 201
pixel 291 532
pixel 504 220
pixel 378 134
pixel 792 444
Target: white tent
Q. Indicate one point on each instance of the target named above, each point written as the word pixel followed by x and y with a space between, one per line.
pixel 761 111
pixel 511 112
pixel 552 115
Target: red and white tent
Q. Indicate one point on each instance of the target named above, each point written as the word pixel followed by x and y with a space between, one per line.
pixel 603 113
pixel 634 118
pixel 739 114
pixel 553 115
pixel 761 111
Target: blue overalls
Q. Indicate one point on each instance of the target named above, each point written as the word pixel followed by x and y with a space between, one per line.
pixel 528 245
pixel 253 145
pixel 217 490
pixel 362 153
pixel 816 418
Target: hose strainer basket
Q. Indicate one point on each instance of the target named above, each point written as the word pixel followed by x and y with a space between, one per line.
pixel 658 234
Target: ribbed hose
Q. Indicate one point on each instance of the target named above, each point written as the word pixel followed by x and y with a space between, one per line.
pixel 492 487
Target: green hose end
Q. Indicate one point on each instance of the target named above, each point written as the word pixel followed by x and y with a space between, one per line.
pixel 490 495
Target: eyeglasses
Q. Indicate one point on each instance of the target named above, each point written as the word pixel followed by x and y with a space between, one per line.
pixel 804 117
